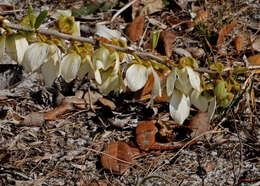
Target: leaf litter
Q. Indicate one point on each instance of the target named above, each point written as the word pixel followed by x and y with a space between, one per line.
pixel 67 150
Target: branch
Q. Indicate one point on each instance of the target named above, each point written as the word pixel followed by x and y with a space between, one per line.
pixel 125 50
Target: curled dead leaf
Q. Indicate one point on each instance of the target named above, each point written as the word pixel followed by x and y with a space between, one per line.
pixel 196 52
pixel 256 44
pixel 201 16
pixel 115 152
pixel 254 60
pixel 146 140
pixel 199 124
pixel 224 32
pixel 58 111
pixel 108 103
pixel 135 29
pixel 34 119
pixel 166 39
pixel 239 43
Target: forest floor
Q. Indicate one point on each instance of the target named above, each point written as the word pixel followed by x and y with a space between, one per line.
pixel 68 150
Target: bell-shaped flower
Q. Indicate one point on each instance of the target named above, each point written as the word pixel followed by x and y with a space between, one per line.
pixel 2 46
pixel 194 78
pixel 157 89
pixel 70 66
pixel 51 69
pixel 111 82
pixel 86 66
pixel 182 82
pixel 103 31
pixel 179 106
pixel 16 45
pixel 170 82
pixel 199 101
pixel 136 76
pixel 35 56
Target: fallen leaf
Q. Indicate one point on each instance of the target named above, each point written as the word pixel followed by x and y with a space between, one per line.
pixel 201 16
pixel 196 52
pixel 199 124
pixel 58 111
pixel 135 29
pixel 145 134
pixel 115 152
pixel 77 102
pixel 151 6
pixel 34 119
pixel 224 32
pixel 97 183
pixel 254 60
pixel 108 103
pixel 256 44
pixel 239 43
pixel 166 39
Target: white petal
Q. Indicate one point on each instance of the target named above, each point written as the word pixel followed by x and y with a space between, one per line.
pixel 76 31
pixel 200 102
pixel 212 108
pixel 182 82
pixel 51 69
pixel 114 57
pixel 194 78
pixel 35 56
pixel 103 31
pixel 97 76
pixel 59 13
pixel 50 72
pixel 157 90
pixel 112 83
pixel 100 59
pixel 86 66
pixel 69 66
pixel 16 45
pixel 170 82
pixel 179 106
pixel 2 46
pixel 136 76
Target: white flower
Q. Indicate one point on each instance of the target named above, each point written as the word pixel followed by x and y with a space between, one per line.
pixel 103 31
pixel 51 69
pixel 70 66
pixel 136 76
pixel 179 106
pixel 35 56
pixel 16 45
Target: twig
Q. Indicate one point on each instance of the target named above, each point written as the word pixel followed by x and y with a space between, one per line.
pixel 125 50
pixel 122 9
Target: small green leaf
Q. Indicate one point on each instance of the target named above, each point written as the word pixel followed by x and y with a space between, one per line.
pixel 220 90
pixel 40 18
pixel 154 39
pixel 31 16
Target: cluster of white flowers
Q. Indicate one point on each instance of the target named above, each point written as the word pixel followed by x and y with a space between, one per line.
pixel 183 87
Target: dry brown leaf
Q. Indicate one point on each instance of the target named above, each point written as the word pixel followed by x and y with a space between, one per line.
pixel 77 102
pixel 146 140
pixel 149 86
pixel 151 6
pixel 119 151
pixel 199 124
pixel 224 32
pixel 97 183
pixel 256 44
pixel 135 29
pixel 196 52
pixel 239 43
pixel 201 16
pixel 108 103
pixel 254 60
pixel 34 119
pixel 58 111
pixel 145 134
pixel 167 39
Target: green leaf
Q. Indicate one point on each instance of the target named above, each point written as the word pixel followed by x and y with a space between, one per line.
pixel 88 9
pixel 40 18
pixel 31 16
pixel 154 39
